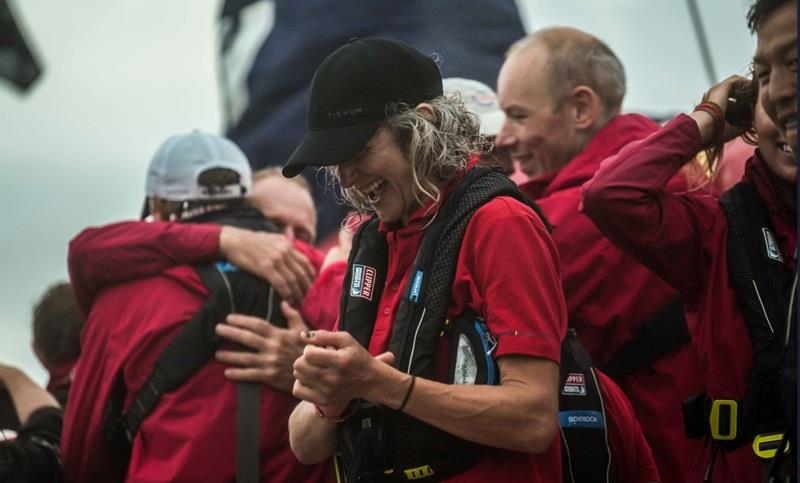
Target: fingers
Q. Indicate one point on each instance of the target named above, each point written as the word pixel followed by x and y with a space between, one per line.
pixel 387 358
pixel 720 92
pixel 291 275
pixel 319 356
pixel 294 321
pixel 253 324
pixel 247 374
pixel 238 358
pixel 324 338
pixel 245 337
pixel 270 256
pixel 306 269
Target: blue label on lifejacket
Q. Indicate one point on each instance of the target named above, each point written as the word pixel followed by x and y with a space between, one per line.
pixel 415 287
pixel 581 419
pixel 227 267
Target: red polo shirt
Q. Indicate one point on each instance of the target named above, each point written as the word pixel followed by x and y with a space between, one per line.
pixel 508 273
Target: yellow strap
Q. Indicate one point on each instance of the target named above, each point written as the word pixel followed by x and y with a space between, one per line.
pixel 724 410
pixel 766 445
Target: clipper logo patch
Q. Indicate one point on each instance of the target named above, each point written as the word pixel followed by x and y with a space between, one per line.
pixel 574 385
pixel 771 245
pixel 363 282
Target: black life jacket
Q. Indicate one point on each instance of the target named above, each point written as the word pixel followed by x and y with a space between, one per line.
pixel 583 422
pixel 766 290
pixel 380 444
pixel 230 291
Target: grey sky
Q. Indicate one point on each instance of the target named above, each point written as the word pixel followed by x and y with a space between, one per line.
pixel 120 76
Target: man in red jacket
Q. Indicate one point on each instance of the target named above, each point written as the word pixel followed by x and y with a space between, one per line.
pixel 562 90
pixel 690 241
pixel 134 283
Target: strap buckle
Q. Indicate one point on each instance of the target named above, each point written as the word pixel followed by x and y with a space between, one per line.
pixel 723 419
pixel 766 445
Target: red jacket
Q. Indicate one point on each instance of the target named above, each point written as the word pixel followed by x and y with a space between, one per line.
pixel 683 238
pixel 132 315
pixel 609 295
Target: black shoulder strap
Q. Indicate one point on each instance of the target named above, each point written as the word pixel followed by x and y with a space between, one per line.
pixel 763 285
pixel 660 335
pixel 229 291
pixel 586 452
pixel 363 282
pixel 421 314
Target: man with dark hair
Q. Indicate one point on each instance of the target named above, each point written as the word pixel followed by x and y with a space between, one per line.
pixel 139 300
pixel 57 325
pixel 562 91
pixel 733 258
pixel 775 62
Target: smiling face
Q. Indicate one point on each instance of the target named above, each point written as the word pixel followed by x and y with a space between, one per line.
pixel 775 65
pixel 381 174
pixel 773 146
pixel 541 138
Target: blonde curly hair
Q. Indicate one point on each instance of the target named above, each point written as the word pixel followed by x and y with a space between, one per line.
pixel 437 148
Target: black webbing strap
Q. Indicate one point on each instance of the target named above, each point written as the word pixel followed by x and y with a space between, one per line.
pixel 586 454
pixel 192 347
pixel 248 411
pixel 660 335
pixel 248 424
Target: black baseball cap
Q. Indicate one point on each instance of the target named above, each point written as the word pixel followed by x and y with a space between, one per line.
pixel 349 95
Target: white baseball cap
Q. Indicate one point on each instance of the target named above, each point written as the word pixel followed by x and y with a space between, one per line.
pixel 176 167
pixel 479 99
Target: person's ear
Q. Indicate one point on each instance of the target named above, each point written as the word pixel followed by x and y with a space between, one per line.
pixel 157 209
pixel 587 107
pixel 427 111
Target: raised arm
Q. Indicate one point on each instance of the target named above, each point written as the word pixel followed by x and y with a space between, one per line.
pixel 628 202
pixel 102 256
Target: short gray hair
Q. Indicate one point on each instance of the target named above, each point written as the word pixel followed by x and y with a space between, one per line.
pixel 577 58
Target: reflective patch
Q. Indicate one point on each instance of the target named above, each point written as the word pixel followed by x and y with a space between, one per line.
pixel 771 245
pixel 419 472
pixel 574 385
pixel 7 435
pixel 581 419
pixel 416 287
pixel 363 281
pixel 227 267
pixel 466 370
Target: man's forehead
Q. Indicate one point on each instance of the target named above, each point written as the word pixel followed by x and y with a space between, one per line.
pixel 522 83
pixel 777 35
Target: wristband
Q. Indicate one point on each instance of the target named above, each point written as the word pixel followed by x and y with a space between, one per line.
pixel 716 112
pixel 348 411
pixel 408 393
